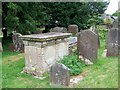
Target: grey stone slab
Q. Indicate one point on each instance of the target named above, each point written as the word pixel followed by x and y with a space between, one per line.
pixel 88 45
pixel 113 42
pixel 45 36
pixel 59 75
pixel 58 29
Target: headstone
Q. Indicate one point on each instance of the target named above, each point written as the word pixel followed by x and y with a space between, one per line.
pixel 58 29
pixel 92 28
pixel 113 42
pixel 18 43
pixel 59 75
pixel 115 23
pixel 88 45
pixel 73 29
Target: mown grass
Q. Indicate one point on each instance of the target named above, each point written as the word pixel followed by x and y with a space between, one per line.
pixel 102 74
pixel 12 66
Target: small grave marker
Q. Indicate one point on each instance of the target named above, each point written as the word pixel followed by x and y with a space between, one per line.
pixel 59 75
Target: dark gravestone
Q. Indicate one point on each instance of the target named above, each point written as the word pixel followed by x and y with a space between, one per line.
pixel 113 42
pixel 58 29
pixel 73 29
pixel 59 75
pixel 18 42
pixel 88 44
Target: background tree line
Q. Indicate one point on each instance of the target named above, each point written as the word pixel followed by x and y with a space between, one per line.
pixel 27 16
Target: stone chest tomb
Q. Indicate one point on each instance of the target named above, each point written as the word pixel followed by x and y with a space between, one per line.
pixel 43 50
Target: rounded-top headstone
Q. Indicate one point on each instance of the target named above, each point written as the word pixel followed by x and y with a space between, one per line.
pixel 88 45
pixel 73 29
pixel 59 75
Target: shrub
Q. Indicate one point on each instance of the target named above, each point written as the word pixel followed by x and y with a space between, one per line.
pixel 102 32
pixel 72 62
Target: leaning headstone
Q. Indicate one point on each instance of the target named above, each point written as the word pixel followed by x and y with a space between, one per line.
pixel 58 29
pixel 113 42
pixel 95 31
pixel 73 29
pixel 88 45
pixel 18 43
pixel 59 75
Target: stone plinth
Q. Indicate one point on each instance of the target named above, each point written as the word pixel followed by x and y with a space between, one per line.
pixel 43 50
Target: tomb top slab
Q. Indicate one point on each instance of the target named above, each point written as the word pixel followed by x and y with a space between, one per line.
pixel 45 36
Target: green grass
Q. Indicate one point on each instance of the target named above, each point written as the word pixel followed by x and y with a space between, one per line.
pixel 102 74
pixel 12 66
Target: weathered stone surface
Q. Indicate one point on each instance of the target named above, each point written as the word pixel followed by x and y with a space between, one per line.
pixel 58 29
pixel 43 50
pixel 73 29
pixel 97 33
pixel 72 45
pixel 1 49
pixel 88 44
pixel 59 75
pixel 45 37
pixel 113 42
pixel 18 43
pixel 104 54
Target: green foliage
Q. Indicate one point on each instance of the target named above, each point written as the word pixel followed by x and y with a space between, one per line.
pixel 107 21
pixel 72 62
pixel 74 13
pixel 23 17
pixel 95 20
pixel 102 32
pixel 26 16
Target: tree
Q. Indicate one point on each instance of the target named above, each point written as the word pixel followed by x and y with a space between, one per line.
pixel 74 13
pixel 23 17
pixel 26 16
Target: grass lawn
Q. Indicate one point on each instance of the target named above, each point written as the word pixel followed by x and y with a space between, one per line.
pixel 102 74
